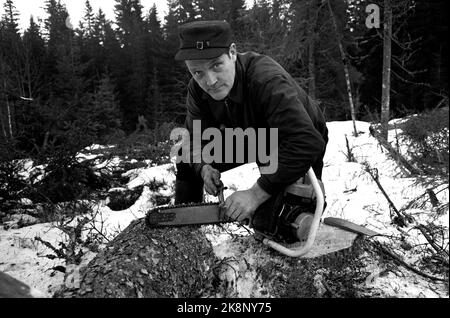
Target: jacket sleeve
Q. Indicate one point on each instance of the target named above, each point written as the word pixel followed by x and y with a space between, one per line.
pixel 299 143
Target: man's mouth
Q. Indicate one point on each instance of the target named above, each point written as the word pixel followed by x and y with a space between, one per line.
pixel 216 89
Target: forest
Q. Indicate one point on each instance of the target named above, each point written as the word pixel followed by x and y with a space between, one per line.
pixel 84 107
pixel 74 86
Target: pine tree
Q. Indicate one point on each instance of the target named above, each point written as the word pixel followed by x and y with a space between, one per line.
pixel 89 41
pixel 98 26
pixel 111 50
pixel 33 56
pixel 171 26
pixel 155 32
pixel 55 24
pixel 11 17
pixel 174 76
pixel 88 20
pixel 348 80
pixel 135 65
pixel 387 56
pixel 235 15
pixel 206 9
pixel 222 9
pixel 102 115
pixel 129 20
pixel 11 70
pixel 261 29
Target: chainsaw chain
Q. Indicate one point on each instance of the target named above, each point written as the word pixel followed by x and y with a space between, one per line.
pixel 158 215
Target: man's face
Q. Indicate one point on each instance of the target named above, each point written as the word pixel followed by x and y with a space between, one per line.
pixel 215 76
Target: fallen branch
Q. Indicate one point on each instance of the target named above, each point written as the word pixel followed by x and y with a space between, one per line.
pixel 397 258
pixel 374 174
pixel 59 253
pixel 433 244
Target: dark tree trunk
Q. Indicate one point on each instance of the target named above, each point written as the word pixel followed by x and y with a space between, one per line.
pixel 346 70
pixel 387 52
pixel 311 49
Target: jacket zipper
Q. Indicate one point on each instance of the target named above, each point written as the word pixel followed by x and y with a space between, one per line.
pixel 228 111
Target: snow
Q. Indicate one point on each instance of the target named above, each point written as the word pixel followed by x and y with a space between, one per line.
pixel 351 194
pixel 24 258
pixel 154 174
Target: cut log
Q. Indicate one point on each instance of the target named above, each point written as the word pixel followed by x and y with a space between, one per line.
pixel 183 263
pixel 144 263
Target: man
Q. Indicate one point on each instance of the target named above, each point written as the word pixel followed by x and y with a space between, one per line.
pixel 231 90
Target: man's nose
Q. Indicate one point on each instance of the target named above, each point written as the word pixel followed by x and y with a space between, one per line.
pixel 211 79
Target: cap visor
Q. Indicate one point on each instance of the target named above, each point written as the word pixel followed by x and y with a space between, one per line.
pixel 194 54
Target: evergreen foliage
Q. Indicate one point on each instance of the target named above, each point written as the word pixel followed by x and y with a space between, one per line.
pixel 99 78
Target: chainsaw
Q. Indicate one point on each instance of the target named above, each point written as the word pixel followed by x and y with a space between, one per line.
pixel 292 216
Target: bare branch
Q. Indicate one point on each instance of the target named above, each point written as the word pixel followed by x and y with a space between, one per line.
pixel 406 265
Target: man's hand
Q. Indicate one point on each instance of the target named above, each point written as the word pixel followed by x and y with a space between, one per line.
pixel 211 179
pixel 241 205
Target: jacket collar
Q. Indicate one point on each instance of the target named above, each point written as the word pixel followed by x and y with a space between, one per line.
pixel 236 93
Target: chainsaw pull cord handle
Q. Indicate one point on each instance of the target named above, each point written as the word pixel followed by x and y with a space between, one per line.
pixel 220 195
pixel 221 201
pixel 302 250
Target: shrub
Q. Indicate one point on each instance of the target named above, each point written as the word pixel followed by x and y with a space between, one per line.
pixel 151 145
pixel 11 184
pixel 428 134
pixel 66 179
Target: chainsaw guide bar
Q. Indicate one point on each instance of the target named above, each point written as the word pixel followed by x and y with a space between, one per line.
pixel 184 214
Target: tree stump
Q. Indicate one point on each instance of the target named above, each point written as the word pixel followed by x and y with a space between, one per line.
pixel 13 288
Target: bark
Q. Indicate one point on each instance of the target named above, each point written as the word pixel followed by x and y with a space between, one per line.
pixel 28 77
pixel 312 70
pixel 3 126
pixel 8 110
pixel 9 118
pixel 311 48
pixel 386 88
pixel 346 71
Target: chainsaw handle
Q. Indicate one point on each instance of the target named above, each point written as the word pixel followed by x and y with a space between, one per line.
pixel 220 195
pixel 302 250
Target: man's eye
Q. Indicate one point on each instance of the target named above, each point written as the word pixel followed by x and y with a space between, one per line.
pixel 217 65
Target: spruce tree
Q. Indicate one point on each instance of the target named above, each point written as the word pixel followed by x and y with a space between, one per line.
pixel 11 69
pixel 33 56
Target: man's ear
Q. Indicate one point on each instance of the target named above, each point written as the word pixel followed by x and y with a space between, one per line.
pixel 233 52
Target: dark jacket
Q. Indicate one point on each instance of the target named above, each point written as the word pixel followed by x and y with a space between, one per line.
pixel 264 95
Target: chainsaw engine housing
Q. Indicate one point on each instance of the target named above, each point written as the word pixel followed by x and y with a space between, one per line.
pixel 287 216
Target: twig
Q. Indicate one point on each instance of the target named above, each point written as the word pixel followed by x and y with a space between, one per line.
pixel 100 232
pixel 393 152
pixel 328 289
pixel 427 236
pixel 406 265
pixel 349 154
pixel 94 227
pixel 58 252
pixel 374 174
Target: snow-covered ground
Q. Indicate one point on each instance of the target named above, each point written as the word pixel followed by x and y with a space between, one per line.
pixel 350 191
